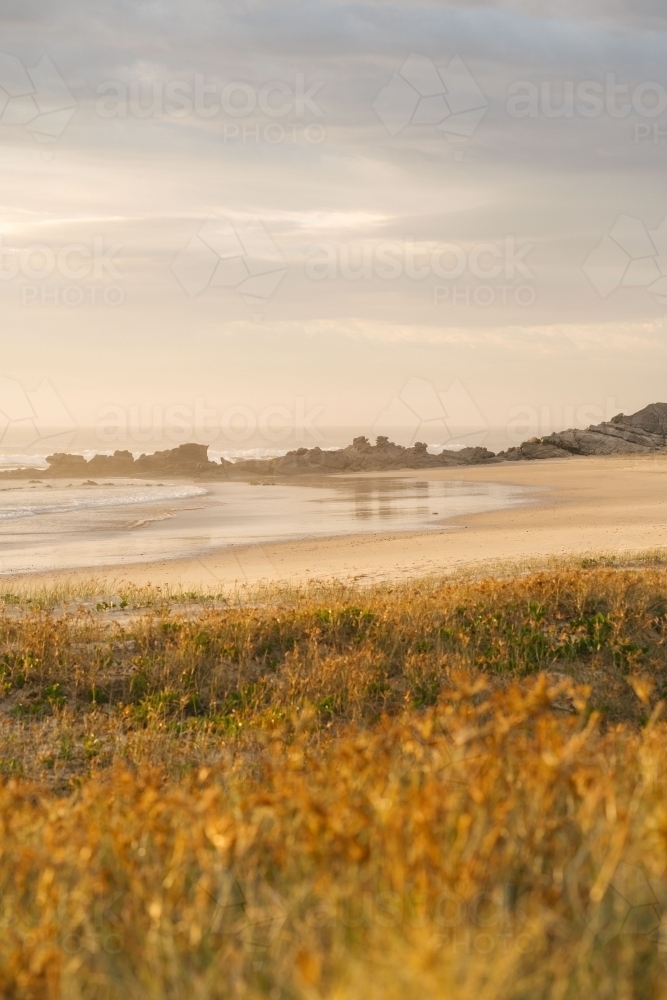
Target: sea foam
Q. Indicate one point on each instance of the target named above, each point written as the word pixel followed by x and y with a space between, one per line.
pixel 119 497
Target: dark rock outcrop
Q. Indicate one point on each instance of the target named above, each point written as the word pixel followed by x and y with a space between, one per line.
pixel 362 456
pixel 638 434
pixel 188 460
pixel 641 433
pixel 191 461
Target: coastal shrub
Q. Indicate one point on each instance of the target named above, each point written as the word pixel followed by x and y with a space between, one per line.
pixel 391 648
pixel 490 845
pixel 444 789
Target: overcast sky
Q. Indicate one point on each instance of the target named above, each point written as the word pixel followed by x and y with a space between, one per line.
pixel 309 215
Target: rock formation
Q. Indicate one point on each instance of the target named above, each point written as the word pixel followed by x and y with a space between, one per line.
pixel 362 456
pixel 641 433
pixel 188 460
pixel 638 434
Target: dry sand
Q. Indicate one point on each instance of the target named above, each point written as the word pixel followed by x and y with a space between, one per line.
pixel 584 505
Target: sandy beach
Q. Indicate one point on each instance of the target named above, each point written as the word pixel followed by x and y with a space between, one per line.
pixel 577 505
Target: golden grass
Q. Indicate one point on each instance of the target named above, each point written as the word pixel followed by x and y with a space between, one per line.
pixel 448 789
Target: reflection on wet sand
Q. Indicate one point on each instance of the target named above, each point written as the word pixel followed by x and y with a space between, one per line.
pixel 384 502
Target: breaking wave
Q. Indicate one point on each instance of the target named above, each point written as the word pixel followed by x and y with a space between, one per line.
pixel 120 497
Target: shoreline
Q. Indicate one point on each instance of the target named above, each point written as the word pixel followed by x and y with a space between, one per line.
pixel 85 526
pixel 582 505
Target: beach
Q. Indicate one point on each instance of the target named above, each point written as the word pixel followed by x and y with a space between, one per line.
pixel 510 513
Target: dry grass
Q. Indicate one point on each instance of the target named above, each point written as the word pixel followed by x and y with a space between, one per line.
pixel 452 789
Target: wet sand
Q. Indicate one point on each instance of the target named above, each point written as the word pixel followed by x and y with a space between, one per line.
pixel 51 527
pixel 581 505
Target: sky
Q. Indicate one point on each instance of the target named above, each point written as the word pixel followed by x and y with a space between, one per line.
pixel 266 225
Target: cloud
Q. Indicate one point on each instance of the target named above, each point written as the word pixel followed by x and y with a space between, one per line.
pixel 148 181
